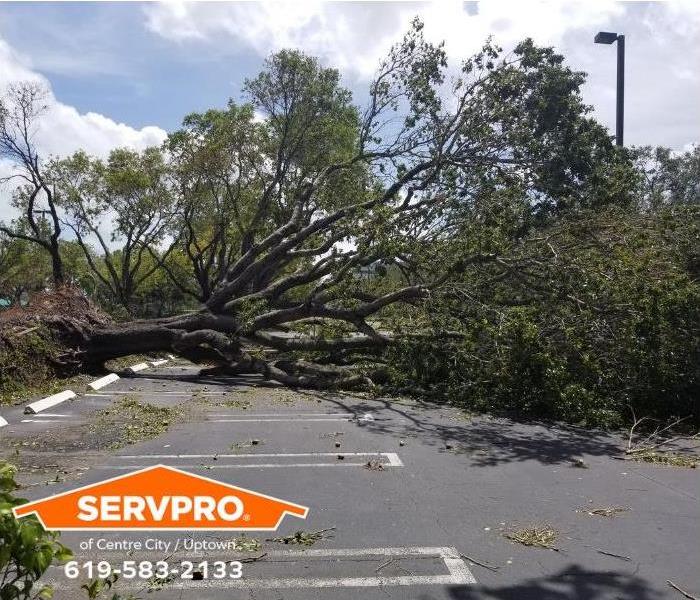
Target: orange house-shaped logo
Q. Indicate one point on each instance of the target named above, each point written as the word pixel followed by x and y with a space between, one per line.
pixel 160 498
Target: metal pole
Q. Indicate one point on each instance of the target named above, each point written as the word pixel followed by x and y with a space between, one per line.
pixel 620 117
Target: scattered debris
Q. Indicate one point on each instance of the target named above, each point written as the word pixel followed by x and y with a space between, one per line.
pixel 331 434
pixel 304 538
pixel 246 544
pixel 155 584
pixel 241 403
pixel 341 457
pixel 402 443
pixel 579 463
pixel 665 458
pixel 247 444
pixel 682 591
pixel 374 464
pixel 337 444
pixel 541 536
pixel 56 479
pixel 130 421
pixel 606 511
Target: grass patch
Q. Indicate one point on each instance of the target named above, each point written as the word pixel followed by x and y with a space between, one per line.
pixel 540 536
pixel 670 459
pixel 130 421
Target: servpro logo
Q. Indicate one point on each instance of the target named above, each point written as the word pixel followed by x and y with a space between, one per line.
pixel 160 498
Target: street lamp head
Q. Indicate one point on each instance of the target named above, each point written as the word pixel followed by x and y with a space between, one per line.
pixel 605 37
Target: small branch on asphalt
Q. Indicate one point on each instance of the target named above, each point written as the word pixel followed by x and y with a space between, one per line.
pixel 655 439
pixel 252 559
pixel 682 591
pixel 384 564
pixel 599 551
pixel 481 564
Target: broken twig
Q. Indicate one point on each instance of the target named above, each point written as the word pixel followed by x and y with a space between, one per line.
pixel 599 551
pixel 682 591
pixel 481 564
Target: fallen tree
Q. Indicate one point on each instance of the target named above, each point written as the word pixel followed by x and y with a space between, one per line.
pixel 322 217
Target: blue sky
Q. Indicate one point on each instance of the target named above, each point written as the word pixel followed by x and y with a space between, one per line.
pixel 126 73
pixel 101 57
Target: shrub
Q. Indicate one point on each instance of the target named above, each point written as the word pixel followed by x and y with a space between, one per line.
pixel 26 549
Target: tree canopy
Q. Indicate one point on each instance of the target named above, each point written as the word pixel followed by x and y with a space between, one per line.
pixel 302 233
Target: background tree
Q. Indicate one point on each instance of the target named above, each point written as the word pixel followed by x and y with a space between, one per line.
pixel 20 110
pixel 128 192
pixel 667 178
pixel 24 268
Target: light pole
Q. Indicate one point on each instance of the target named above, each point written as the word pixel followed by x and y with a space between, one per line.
pixel 607 37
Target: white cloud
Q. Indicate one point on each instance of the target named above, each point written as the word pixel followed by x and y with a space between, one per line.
pixel 662 86
pixel 62 129
pixel 354 37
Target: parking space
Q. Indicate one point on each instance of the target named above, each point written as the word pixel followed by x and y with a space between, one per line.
pixel 410 501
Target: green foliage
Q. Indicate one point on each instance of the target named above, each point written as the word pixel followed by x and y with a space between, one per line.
pixel 129 189
pixel 666 177
pixel 26 363
pixel 26 550
pixel 97 587
pixel 24 268
pixel 309 116
pixel 613 322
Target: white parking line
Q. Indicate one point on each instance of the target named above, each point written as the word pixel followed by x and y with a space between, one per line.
pixel 255 466
pixel 137 367
pixel 458 572
pixel 294 420
pixel 392 460
pixel 48 402
pixel 157 393
pixel 53 415
pixel 3 422
pixel 256 416
pixel 261 455
pixel 157 363
pixel 103 381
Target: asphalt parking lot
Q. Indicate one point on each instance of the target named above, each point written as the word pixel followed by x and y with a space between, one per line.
pixel 406 500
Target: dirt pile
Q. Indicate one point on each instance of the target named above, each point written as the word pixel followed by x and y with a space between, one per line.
pixel 65 303
pixel 35 340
